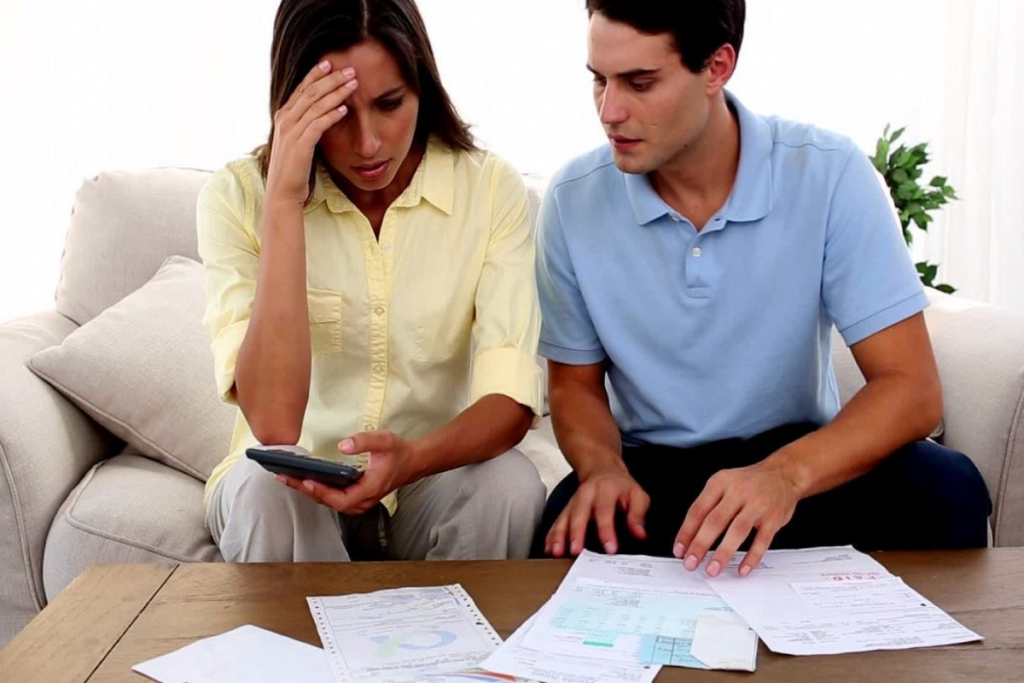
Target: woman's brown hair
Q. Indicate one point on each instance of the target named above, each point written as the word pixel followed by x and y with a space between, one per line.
pixel 306 30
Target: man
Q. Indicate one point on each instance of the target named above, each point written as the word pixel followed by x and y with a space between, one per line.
pixel 697 265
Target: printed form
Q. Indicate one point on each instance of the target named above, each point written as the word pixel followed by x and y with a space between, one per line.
pixel 834 600
pixel 402 635
pixel 632 610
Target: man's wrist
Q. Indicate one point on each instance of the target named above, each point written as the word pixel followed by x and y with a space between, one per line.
pixel 795 469
pixel 609 463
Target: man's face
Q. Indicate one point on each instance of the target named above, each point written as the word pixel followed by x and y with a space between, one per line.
pixel 652 107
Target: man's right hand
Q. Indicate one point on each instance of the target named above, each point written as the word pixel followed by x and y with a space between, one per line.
pixel 599 496
pixel 315 106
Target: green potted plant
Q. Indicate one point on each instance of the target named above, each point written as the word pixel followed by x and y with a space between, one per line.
pixel 901 168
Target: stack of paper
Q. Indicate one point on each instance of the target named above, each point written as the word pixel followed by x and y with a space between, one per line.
pixel 619 618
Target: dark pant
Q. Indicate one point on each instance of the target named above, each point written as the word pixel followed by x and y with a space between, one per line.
pixel 923 496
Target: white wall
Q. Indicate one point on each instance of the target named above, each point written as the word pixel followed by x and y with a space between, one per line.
pixel 121 84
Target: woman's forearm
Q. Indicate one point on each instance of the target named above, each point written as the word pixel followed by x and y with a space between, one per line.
pixel 273 371
pixel 486 429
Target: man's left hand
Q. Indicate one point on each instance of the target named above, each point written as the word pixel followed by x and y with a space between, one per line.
pixel 390 465
pixel 736 502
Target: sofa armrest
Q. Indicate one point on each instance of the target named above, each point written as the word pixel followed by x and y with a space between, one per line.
pixel 46 446
pixel 980 353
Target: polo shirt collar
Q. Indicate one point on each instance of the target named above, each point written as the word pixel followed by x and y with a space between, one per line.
pixel 751 196
pixel 433 181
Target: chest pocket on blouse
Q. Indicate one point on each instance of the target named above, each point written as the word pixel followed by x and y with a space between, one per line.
pixel 324 321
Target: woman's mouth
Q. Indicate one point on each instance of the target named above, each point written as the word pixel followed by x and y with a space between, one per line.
pixel 372 171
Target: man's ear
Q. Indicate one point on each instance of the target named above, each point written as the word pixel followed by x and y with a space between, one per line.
pixel 720 68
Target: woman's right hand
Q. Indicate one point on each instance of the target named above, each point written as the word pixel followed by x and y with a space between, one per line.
pixel 315 106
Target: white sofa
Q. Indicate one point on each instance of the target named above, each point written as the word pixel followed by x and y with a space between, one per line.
pixel 104 460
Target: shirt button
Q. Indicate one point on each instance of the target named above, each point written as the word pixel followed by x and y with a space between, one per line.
pixel 696 252
pixel 676 217
pixel 378 369
pixel 379 310
pixel 368 427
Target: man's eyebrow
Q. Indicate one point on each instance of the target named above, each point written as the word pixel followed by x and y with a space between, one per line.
pixel 397 90
pixel 634 73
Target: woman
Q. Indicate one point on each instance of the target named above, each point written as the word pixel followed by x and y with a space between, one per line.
pixel 349 265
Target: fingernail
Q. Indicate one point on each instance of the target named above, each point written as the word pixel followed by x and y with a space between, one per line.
pixel 556 549
pixel 574 548
pixel 351 85
pixel 343 109
pixel 609 548
pixel 691 563
pixel 308 485
pixel 744 570
pixel 679 550
pixel 714 568
pixel 347 445
pixel 325 66
pixel 349 71
pixel 280 478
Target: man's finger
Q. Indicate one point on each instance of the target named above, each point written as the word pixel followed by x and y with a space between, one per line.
pixel 636 511
pixel 554 543
pixel 695 516
pixel 758 548
pixel 715 523
pixel 604 516
pixel 738 532
pixel 579 519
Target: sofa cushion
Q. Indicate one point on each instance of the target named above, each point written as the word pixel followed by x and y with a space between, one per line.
pixel 123 226
pixel 127 509
pixel 144 370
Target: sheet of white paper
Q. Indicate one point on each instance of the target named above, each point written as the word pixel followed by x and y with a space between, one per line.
pixel 515 659
pixel 767 589
pixel 724 643
pixel 835 600
pixel 631 609
pixel 396 635
pixel 247 654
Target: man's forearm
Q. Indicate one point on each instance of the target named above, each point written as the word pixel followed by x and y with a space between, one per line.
pixel 485 430
pixel 586 429
pixel 888 413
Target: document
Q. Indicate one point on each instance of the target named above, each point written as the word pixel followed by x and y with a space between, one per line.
pixel 835 600
pixel 515 659
pixel 245 655
pixel 638 609
pixel 402 635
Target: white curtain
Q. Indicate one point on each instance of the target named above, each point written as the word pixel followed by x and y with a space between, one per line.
pixel 123 84
pixel 980 240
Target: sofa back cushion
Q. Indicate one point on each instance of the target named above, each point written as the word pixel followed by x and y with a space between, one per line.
pixel 124 225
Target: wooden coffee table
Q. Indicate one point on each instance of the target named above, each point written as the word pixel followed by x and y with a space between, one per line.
pixel 114 617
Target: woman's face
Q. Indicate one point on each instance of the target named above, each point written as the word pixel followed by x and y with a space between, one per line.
pixel 370 146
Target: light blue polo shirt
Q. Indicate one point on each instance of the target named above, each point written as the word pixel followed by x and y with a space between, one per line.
pixel 726 332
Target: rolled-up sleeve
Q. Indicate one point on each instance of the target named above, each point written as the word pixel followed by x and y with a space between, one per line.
pixel 230 253
pixel 507 325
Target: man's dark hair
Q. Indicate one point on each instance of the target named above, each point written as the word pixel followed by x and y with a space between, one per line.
pixel 698 27
pixel 306 30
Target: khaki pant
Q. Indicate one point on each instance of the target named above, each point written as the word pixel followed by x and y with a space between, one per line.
pixel 483 511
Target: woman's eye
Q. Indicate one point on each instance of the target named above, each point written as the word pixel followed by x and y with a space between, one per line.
pixel 390 105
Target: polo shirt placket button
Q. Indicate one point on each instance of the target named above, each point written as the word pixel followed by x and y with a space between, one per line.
pixel 696 252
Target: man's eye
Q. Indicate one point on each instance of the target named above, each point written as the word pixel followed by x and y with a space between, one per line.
pixel 640 86
pixel 390 105
pixel 598 80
